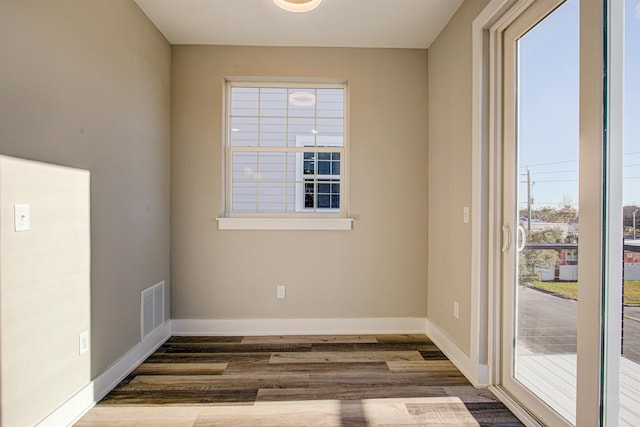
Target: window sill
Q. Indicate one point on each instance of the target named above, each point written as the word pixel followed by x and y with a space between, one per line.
pixel 343 224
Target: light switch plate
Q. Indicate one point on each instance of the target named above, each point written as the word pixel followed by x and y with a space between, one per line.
pixel 280 292
pixel 84 342
pixel 465 215
pixel 22 218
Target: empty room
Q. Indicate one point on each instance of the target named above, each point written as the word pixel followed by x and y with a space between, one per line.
pixel 319 212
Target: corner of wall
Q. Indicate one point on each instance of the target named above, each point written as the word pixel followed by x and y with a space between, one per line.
pixel 476 373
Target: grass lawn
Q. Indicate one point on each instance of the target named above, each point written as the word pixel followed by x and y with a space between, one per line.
pixel 570 290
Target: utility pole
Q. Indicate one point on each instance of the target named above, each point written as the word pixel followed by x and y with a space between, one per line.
pixel 634 224
pixel 529 201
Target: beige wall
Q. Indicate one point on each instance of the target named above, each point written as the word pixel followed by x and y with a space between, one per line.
pixel 450 174
pixel 376 270
pixel 44 289
pixel 85 83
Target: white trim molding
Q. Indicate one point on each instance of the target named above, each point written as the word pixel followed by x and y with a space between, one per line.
pixel 227 327
pixel 483 194
pixel 476 373
pixel 515 407
pixel 339 224
pixel 78 405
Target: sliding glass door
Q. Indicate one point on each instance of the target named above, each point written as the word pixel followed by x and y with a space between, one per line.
pixel 566 156
pixel 540 208
pixel 621 296
pixel 564 191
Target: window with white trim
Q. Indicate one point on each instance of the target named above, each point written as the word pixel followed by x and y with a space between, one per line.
pixel 285 150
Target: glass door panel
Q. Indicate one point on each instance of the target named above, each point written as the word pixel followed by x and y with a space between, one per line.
pixel 540 196
pixel 622 291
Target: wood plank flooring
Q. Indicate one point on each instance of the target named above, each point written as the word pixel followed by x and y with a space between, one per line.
pixel 401 380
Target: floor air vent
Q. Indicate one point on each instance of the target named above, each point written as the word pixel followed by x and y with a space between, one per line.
pixel 151 308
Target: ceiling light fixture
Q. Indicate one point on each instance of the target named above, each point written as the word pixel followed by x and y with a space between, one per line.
pixel 297 5
pixel 302 99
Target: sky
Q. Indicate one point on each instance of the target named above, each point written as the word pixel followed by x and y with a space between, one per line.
pixel 548 105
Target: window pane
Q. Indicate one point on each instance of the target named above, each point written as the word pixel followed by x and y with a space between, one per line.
pixel 294 163
pixel 301 132
pixel 309 167
pixel 331 131
pixel 272 197
pixel 309 194
pixel 302 102
pixel 324 187
pixel 629 297
pixel 273 102
pixel 324 168
pixel 290 197
pixel 335 168
pixel 324 140
pixel 244 101
pixel 272 167
pixel 324 201
pixel 273 132
pixel 245 166
pixel 244 196
pixel 330 102
pixel 244 131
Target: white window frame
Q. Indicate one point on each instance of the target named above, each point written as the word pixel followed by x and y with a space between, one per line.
pixel 305 219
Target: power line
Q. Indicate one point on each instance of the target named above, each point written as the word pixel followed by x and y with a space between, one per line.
pixel 545 203
pixel 534 182
pixel 567 161
pixel 548 163
pixel 569 171
pixel 564 171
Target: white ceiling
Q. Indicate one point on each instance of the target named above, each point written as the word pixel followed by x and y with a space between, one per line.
pixel 334 23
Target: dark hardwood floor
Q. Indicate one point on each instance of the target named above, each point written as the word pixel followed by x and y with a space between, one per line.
pixel 401 380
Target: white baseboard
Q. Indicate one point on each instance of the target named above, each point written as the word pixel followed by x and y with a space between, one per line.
pixel 476 373
pixel 71 411
pixel 130 360
pixel 226 327
pixel 74 408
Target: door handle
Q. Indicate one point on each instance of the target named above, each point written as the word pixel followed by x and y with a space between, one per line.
pixel 506 237
pixel 523 238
